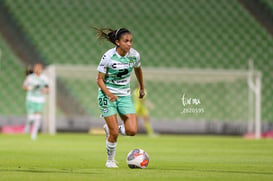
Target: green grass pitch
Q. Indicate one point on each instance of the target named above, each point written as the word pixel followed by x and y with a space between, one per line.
pixel 82 157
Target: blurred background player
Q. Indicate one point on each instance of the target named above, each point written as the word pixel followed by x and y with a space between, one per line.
pixel 142 111
pixel 114 96
pixel 36 85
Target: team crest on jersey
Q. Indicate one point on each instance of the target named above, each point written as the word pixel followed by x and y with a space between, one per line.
pixel 131 63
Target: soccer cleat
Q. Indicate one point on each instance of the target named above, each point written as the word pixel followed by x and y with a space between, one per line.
pixel 106 129
pixel 111 164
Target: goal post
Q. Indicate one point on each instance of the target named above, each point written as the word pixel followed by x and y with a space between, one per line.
pixel 223 101
pixel 49 124
pixel 255 86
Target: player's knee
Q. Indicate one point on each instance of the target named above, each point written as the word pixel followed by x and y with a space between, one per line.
pixel 114 134
pixel 131 132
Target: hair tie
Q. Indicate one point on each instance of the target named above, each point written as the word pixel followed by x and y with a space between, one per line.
pixel 116 34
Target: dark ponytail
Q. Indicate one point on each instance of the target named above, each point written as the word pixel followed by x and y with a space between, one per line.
pixel 29 70
pixel 110 34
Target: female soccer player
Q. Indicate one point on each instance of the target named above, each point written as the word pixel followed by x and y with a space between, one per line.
pixel 114 97
pixel 36 85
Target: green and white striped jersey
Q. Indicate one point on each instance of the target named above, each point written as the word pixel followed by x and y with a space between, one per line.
pixel 37 83
pixel 118 70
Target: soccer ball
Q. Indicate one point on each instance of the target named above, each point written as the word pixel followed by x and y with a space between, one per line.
pixel 137 158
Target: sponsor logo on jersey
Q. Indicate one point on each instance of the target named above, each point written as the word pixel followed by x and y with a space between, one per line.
pixel 121 81
pixel 120 65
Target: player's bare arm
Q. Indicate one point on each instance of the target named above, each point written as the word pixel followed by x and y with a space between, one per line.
pixel 101 84
pixel 139 75
pixel 25 87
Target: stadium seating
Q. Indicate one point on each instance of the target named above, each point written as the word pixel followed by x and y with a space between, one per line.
pixel 167 33
pixel 12 73
pixel 268 3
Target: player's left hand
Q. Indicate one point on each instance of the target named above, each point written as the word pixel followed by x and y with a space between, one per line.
pixel 141 93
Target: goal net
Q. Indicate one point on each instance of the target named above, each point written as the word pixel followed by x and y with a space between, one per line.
pixel 179 100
